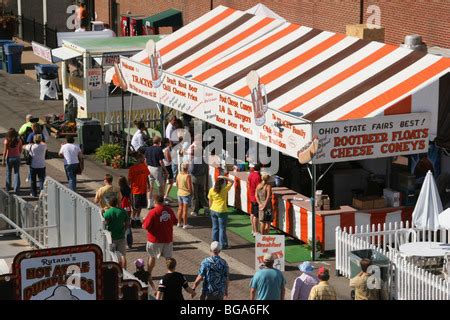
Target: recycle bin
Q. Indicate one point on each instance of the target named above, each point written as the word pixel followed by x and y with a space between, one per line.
pixel 89 134
pixel 47 76
pixel 13 54
pixel 2 53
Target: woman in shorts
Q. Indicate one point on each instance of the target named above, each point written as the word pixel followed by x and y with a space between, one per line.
pixel 184 185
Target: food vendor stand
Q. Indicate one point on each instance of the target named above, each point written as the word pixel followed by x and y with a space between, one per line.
pixel 317 96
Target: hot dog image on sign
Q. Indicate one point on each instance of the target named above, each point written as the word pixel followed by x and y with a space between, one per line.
pixel 259 97
pixel 154 57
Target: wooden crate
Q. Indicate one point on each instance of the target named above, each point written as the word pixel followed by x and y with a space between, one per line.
pixel 363 203
pixel 370 32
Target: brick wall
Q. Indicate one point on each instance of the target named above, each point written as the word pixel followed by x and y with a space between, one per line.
pixel 427 18
pixel 430 19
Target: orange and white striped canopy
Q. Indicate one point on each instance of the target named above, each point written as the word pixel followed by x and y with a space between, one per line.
pixel 314 74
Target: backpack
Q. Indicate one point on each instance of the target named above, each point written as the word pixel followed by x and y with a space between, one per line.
pixel 28 157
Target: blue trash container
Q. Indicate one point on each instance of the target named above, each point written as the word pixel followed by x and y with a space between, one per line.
pixel 2 53
pixel 13 54
pixel 46 71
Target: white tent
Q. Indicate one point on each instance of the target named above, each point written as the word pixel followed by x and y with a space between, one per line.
pixel 262 10
pixel 444 219
pixel 428 206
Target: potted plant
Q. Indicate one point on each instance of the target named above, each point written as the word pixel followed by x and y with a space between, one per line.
pixel 107 152
pixel 319 247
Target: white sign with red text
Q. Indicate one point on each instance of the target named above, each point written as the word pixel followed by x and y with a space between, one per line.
pixel 138 79
pixel 42 51
pixel 95 78
pixel 378 137
pixel 273 244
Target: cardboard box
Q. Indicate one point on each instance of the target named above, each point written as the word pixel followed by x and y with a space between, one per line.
pixel 379 203
pixel 363 203
pixel 370 32
pixel 392 197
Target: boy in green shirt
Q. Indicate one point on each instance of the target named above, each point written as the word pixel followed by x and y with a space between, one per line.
pixel 117 221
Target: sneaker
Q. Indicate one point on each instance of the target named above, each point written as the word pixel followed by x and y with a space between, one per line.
pixel 179 225
pixel 187 226
pixel 194 214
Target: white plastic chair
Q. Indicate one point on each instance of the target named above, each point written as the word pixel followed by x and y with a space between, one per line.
pixel 402 236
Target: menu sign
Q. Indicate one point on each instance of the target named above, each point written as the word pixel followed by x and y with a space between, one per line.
pixel 42 51
pixel 372 138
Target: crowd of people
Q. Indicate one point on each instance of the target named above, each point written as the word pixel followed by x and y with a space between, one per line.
pixel 148 186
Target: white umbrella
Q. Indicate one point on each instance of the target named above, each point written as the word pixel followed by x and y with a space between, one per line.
pixel 444 219
pixel 426 213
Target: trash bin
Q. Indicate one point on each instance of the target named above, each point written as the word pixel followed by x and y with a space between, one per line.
pixel 2 53
pixel 377 259
pixel 13 54
pixel 47 75
pixel 89 134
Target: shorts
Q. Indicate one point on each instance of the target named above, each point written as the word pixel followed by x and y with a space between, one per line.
pixel 160 249
pixel 156 174
pixel 139 201
pixel 265 218
pixel 255 209
pixel 185 200
pixel 170 171
pixel 121 246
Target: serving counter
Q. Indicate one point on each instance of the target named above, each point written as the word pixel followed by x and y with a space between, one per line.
pixel 293 215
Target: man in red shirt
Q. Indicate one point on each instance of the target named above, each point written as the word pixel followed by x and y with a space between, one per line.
pixel 253 180
pixel 138 179
pixel 159 225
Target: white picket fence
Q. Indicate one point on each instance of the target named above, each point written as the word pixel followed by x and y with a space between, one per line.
pixel 407 281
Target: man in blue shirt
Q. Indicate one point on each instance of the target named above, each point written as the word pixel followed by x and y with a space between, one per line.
pixel 267 283
pixel 214 274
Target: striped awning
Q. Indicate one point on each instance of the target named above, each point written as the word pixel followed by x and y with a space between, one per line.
pixel 313 74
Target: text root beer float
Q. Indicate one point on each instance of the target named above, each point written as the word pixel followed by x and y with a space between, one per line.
pixel 259 97
pixel 156 68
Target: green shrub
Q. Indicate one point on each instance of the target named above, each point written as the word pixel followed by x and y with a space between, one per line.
pixel 107 152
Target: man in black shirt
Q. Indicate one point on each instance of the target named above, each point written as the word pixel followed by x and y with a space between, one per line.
pixel 171 285
pixel 154 157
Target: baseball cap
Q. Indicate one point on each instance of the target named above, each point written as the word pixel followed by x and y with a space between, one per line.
pixel 215 246
pixel 268 257
pixel 139 263
pixel 251 165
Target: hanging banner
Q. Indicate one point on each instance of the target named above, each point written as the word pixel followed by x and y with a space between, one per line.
pixel 224 110
pixel 378 137
pixel 69 273
pixel 94 78
pixel 273 244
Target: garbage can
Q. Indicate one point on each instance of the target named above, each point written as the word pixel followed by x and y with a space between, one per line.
pixel 377 259
pixel 47 75
pixel 2 53
pixel 13 54
pixel 89 134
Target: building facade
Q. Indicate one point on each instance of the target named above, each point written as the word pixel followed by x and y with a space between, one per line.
pixel 430 19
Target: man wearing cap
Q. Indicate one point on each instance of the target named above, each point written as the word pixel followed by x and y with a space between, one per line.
pixel 267 283
pixel 360 282
pixel 303 284
pixel 322 291
pixel 214 274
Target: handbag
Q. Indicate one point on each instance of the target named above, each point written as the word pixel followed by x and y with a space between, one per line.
pixel 28 157
pixel 267 215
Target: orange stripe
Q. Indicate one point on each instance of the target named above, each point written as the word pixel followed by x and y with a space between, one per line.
pixel 263 44
pixel 294 63
pixel 240 37
pixel 304 225
pixel 380 53
pixel 399 90
pixel 202 28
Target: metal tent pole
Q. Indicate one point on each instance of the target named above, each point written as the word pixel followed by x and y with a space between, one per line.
pixel 128 134
pixel 313 210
